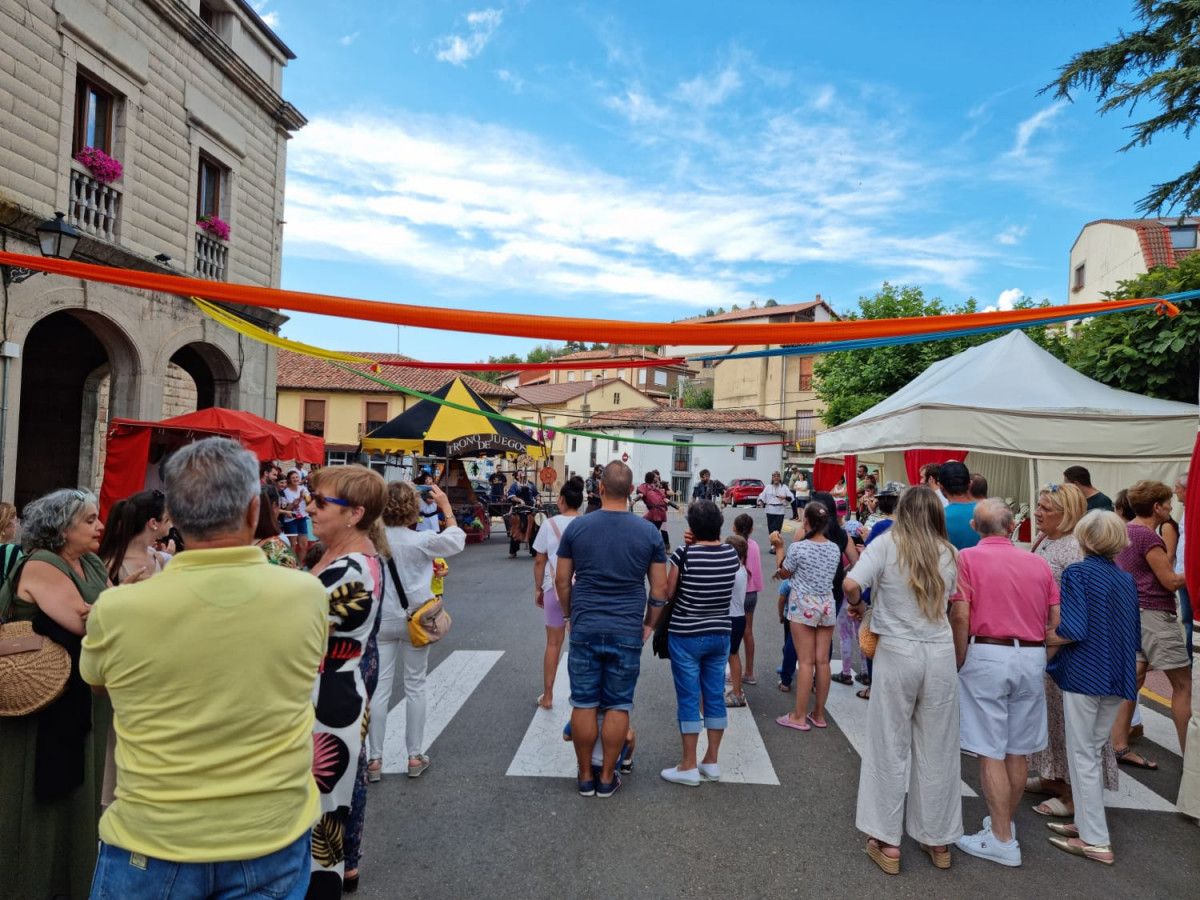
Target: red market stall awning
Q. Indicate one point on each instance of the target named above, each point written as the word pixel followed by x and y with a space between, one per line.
pixel 134 449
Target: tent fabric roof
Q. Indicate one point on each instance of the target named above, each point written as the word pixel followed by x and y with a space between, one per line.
pixel 1010 396
pixel 264 438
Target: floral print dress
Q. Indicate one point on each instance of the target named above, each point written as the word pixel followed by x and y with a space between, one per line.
pixel 340 698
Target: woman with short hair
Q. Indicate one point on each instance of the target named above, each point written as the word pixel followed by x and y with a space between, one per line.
pixel 912 719
pixel 1093 654
pixel 52 761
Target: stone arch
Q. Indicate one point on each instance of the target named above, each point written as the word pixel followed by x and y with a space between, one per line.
pixel 67 356
pixel 212 371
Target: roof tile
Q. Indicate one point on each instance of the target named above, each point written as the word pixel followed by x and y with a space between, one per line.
pixel 297 371
pixel 703 419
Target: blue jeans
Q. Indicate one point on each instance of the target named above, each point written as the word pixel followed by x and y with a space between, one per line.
pixel 1185 613
pixel 282 874
pixel 698 667
pixel 604 669
pixel 789 657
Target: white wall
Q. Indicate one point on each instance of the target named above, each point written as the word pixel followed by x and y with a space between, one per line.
pixel 1109 254
pixel 723 464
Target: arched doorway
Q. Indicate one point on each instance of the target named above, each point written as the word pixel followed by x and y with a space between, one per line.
pixel 212 373
pixel 66 359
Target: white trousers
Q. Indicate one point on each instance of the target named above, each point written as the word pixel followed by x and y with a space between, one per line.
pixel 1189 786
pixel 393 641
pixel 912 730
pixel 1089 720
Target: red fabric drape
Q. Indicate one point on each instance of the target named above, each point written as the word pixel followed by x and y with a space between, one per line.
pixel 126 453
pixel 915 459
pixel 1191 524
pixel 849 469
pixel 826 474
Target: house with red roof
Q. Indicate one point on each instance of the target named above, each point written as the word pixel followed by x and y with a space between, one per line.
pixel 661 381
pixel 1109 251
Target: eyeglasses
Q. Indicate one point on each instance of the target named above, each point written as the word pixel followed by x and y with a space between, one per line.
pixel 1052 488
pixel 321 500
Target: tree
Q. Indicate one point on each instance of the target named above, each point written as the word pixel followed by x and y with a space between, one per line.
pixel 853 381
pixel 771 302
pixel 1158 65
pixel 1144 351
pixel 697 395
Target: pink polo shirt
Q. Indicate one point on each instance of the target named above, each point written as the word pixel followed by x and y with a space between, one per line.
pixel 754 580
pixel 1010 590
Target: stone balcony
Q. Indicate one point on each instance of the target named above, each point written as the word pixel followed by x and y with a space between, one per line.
pixel 212 254
pixel 94 208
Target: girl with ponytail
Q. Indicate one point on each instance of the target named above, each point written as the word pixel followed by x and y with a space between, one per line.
pixel 127 545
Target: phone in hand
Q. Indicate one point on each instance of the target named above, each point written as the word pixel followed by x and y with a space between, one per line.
pixel 425 488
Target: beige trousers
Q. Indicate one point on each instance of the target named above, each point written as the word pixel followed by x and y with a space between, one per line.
pixel 1189 785
pixel 1088 723
pixel 912 745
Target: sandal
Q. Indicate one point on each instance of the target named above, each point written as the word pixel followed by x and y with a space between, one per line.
pixel 814 722
pixel 1066 829
pixel 374 771
pixel 786 688
pixel 786 721
pixel 1033 785
pixel 1098 853
pixel 863 678
pixel 1137 761
pixel 864 694
pixel 889 864
pixel 941 858
pixel 842 678
pixel 1055 806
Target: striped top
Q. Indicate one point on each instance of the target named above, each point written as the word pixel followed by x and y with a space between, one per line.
pixel 702 604
pixel 1099 609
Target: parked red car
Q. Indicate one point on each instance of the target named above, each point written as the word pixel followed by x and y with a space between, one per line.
pixel 742 490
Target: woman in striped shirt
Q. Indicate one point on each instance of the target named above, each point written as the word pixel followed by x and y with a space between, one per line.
pixel 1094 658
pixel 703 571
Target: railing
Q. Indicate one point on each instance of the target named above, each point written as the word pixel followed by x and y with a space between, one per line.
pixel 94 207
pixel 211 256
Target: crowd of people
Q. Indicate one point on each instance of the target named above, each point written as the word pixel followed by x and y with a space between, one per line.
pixel 223 671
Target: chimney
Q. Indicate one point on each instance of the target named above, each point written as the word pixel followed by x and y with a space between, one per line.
pixel 818 298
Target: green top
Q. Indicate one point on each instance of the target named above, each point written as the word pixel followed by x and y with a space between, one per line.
pixel 89 587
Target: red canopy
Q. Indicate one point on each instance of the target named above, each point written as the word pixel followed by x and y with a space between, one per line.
pixel 133 447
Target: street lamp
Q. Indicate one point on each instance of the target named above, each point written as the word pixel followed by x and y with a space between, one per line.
pixel 56 239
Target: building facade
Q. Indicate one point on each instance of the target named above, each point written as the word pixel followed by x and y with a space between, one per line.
pixel 663 382
pixel 1110 251
pixel 186 96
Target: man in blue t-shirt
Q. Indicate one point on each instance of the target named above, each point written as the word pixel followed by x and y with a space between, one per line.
pixel 955 479
pixel 603 561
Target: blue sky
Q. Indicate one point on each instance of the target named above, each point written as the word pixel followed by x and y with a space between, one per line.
pixel 646 161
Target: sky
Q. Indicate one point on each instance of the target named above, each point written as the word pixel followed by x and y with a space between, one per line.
pixel 648 161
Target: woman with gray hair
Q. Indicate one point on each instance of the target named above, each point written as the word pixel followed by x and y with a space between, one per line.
pixel 53 760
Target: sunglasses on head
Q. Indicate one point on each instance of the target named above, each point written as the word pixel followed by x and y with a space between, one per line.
pixel 321 500
pixel 1052 488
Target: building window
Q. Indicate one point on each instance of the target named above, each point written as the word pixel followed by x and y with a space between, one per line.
pixel 339 457
pixel 641 376
pixel 93 116
pixel 660 377
pixel 1078 285
pixel 806 373
pixel 211 177
pixel 570 376
pixel 377 415
pixel 616 399
pixel 1183 237
pixel 208 15
pixel 806 432
pixel 682 457
pixel 616 446
pixel 749 452
pixel 574 444
pixel 592 455
pixel 314 417
pixel 587 376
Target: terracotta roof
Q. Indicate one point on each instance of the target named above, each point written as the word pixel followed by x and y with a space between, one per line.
pixel 297 371
pixel 610 353
pixel 789 310
pixel 1154 235
pixel 543 394
pixel 699 419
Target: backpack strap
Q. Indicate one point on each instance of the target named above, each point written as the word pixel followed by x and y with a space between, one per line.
pixel 391 567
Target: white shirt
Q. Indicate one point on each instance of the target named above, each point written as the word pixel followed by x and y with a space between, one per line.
pixel 547 542
pixel 1179 546
pixel 894 608
pixel 737 602
pixel 775 497
pixel 413 553
pixel 800 488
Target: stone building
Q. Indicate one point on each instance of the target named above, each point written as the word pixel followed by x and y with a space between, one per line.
pixel 186 95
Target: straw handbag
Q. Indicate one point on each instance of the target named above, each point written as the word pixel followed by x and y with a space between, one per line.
pixel 33 669
pixel 867 639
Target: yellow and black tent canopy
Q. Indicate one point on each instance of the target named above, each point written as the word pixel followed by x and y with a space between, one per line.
pixel 434 429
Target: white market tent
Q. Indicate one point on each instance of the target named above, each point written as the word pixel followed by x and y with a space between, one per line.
pixel 1023 417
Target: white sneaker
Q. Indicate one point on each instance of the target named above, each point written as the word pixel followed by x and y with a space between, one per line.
pixel 691 777
pixel 985 845
pixel 710 771
pixel 987 826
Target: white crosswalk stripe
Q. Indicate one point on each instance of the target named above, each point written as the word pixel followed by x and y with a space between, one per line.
pixel 447 688
pixel 543 752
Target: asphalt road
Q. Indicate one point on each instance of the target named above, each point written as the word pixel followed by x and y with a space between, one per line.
pixel 465 827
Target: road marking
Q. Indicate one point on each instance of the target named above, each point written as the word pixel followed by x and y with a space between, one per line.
pixel 1160 728
pixel 543 752
pixel 849 713
pixel 446 690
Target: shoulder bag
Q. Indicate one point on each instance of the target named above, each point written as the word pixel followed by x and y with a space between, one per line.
pixel 429 623
pixel 34 670
pixel 659 641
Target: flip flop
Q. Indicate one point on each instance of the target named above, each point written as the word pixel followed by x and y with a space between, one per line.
pixel 539 702
pixel 815 722
pixel 784 687
pixel 1138 762
pixel 1054 807
pixel 786 722
pixel 864 694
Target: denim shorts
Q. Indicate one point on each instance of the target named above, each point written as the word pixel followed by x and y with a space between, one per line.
pixel 297 525
pixel 282 874
pixel 603 669
pixel 751 602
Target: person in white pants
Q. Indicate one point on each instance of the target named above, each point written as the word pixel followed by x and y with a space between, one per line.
pixel 1096 666
pixel 413 553
pixel 912 720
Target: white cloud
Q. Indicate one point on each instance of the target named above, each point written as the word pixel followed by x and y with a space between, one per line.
pixel 270 19
pixel 1039 121
pixel 636 106
pixel 1006 301
pixel 704 92
pixel 458 49
pixel 1012 235
pixel 347 39
pixel 514 81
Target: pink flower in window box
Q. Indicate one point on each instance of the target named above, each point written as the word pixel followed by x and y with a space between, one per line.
pixel 103 167
pixel 215 226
